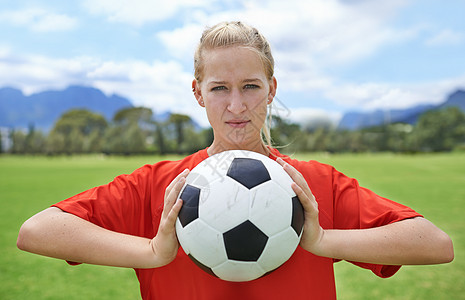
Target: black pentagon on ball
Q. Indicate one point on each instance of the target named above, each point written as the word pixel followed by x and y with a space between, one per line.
pixel 248 171
pixel 297 215
pixel 190 207
pixel 244 242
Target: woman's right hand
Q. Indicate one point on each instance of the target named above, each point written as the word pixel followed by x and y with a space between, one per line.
pixel 55 233
pixel 165 244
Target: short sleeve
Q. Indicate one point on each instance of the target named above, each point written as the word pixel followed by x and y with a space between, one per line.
pixel 356 207
pixel 122 205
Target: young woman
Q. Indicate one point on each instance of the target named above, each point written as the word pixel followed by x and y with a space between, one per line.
pixel 130 222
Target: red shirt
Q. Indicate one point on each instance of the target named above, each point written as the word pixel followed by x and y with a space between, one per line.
pixel 132 204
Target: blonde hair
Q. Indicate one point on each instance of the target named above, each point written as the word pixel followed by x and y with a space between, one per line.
pixel 228 34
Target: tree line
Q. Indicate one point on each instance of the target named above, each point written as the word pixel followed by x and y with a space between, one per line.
pixel 134 131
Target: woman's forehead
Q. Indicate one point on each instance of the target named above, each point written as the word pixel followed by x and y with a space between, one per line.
pixel 233 62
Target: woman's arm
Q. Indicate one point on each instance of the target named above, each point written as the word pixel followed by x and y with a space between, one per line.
pixel 408 242
pixel 413 241
pixel 58 234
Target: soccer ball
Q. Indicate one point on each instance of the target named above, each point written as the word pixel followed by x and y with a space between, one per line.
pixel 240 218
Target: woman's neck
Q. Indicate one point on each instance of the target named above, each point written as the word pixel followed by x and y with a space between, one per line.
pixel 215 148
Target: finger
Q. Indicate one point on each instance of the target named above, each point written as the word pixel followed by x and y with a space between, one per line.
pixel 170 199
pixel 280 161
pixel 309 203
pixel 170 219
pixel 300 186
pixel 175 180
pixel 173 214
pixel 175 183
pixel 173 190
pixel 296 176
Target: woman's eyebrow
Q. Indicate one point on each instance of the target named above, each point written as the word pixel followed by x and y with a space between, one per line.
pixel 217 82
pixel 251 80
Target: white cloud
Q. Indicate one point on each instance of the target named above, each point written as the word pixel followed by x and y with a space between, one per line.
pixel 311 118
pixel 5 50
pixel 328 31
pixel 139 12
pixel 40 20
pixel 308 38
pixel 445 37
pixel 161 86
pixel 54 22
pixel 371 96
pixel 181 42
pixel 158 85
pixel 34 73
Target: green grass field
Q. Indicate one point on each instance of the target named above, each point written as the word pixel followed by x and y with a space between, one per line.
pixel 434 185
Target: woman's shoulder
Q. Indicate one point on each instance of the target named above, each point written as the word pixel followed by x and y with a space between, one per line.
pixel 303 164
pixel 188 162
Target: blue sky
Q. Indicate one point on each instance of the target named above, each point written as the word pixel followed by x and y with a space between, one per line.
pixel 331 56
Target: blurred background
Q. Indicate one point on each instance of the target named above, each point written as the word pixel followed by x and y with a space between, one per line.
pixel 352 75
pixel 91 89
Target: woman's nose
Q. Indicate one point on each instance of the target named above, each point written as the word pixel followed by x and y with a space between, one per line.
pixel 236 103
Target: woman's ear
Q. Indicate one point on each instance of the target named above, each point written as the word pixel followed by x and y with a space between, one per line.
pixel 273 86
pixel 197 92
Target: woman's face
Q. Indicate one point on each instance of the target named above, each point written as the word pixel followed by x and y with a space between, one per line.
pixel 235 92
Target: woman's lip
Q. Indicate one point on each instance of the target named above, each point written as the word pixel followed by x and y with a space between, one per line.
pixel 238 123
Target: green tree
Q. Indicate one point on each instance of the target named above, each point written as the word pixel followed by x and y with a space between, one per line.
pixel 283 132
pixel 131 129
pixel 35 141
pixel 81 119
pixel 113 140
pixel 55 144
pixel 338 140
pixel 18 139
pixel 374 138
pixel 180 123
pixel 74 128
pixel 160 142
pixel 75 141
pixel 135 139
pixel 127 116
pixel 1 142
pixel 317 140
pixel 356 142
pixel 440 130
pixel 397 139
pixel 207 136
pixel 94 142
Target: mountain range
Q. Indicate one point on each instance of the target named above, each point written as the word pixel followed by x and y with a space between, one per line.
pixel 358 120
pixel 42 109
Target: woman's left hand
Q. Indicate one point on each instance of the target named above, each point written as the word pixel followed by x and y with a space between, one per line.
pixel 313 232
pixel 410 241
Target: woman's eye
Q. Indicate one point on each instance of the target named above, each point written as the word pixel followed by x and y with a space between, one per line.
pixel 251 86
pixel 218 88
